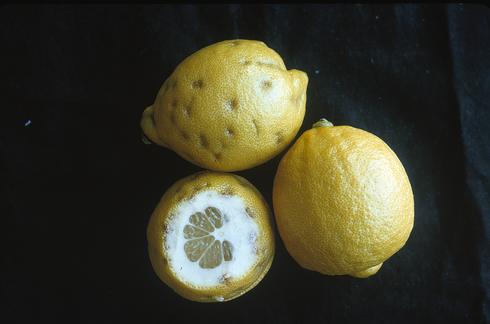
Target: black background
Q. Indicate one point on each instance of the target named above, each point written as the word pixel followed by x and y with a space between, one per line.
pixel 79 185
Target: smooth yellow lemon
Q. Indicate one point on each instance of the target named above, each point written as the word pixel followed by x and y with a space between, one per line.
pixel 210 237
pixel 229 106
pixel 342 201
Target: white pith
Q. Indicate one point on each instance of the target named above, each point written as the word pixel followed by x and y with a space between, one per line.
pixel 238 228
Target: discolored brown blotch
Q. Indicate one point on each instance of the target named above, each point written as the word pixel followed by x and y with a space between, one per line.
pixel 202 186
pixel 266 85
pixel 229 132
pixel 279 138
pixel 165 228
pixel 203 141
pixel 217 156
pixel 174 103
pixel 184 135
pixel 250 212
pixel 227 191
pixel 188 110
pixel 231 105
pixel 197 84
pixel 256 127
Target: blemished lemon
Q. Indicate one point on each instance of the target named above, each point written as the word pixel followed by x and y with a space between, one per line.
pixel 229 106
pixel 210 237
pixel 342 201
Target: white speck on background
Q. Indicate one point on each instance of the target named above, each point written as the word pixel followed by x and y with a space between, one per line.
pixel 379 98
pixel 27 123
pixel 372 60
pixel 317 71
pixel 377 17
pixel 427 71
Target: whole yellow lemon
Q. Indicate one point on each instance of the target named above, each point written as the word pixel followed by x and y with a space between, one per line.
pixel 342 201
pixel 210 237
pixel 229 106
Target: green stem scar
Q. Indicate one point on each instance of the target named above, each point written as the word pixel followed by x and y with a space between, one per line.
pixel 322 123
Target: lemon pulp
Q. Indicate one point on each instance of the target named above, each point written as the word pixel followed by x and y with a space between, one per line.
pixel 210 239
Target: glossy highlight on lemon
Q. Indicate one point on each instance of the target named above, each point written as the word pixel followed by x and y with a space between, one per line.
pixel 343 202
pixel 210 237
pixel 229 106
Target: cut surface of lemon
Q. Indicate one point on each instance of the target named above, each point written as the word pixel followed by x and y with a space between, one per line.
pixel 210 237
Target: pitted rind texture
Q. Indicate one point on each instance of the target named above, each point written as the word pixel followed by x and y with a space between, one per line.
pixel 229 106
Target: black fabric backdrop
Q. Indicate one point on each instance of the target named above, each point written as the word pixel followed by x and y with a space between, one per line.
pixel 78 185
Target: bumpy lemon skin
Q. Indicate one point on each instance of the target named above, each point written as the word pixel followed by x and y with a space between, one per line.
pixel 227 184
pixel 343 202
pixel 230 106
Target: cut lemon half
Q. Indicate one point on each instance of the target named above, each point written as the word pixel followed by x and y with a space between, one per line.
pixel 210 237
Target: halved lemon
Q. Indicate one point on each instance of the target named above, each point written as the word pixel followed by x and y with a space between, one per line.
pixel 210 237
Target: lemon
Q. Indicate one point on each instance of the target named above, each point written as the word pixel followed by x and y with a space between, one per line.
pixel 342 201
pixel 210 237
pixel 229 106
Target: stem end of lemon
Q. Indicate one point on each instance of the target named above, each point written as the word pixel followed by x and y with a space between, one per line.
pixel 322 123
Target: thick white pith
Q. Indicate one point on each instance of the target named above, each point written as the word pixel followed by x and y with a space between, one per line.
pixel 238 228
